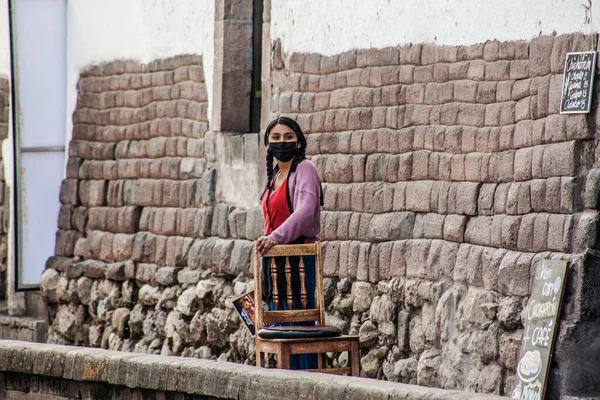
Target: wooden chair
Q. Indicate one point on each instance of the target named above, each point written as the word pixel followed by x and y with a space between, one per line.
pixel 283 348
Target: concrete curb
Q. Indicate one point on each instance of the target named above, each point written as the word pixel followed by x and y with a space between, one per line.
pixel 202 377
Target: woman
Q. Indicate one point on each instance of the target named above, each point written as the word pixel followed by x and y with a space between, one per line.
pixel 291 204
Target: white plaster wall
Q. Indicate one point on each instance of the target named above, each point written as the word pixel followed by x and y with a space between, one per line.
pixel 144 30
pixel 332 26
pixel 4 40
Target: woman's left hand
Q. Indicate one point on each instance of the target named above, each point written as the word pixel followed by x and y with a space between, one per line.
pixel 263 244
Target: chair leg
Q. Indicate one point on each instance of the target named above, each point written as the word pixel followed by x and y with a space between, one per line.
pixel 321 360
pixel 283 357
pixel 355 358
pixel 260 359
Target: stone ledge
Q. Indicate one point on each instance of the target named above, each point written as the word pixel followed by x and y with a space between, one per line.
pixel 23 328
pixel 202 377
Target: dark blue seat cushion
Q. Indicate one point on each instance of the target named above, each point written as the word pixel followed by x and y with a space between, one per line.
pixel 298 332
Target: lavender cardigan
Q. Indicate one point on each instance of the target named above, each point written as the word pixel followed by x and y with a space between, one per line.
pixel 305 190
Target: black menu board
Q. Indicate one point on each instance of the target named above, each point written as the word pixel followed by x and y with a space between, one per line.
pixel 541 315
pixel 578 82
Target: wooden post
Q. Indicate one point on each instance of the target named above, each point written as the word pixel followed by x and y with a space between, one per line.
pixel 274 283
pixel 319 274
pixel 302 283
pixel 355 358
pixel 288 280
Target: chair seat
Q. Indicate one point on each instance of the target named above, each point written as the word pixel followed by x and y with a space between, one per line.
pixel 298 332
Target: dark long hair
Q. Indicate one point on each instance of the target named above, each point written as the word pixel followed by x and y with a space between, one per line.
pixel 300 153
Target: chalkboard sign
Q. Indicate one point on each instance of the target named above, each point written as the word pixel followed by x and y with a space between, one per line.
pixel 578 82
pixel 541 314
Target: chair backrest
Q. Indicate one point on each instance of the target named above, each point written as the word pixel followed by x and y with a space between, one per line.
pixel 289 250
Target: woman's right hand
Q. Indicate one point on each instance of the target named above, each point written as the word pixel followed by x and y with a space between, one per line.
pixel 263 244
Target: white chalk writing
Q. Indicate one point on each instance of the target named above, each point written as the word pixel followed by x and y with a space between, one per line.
pixel 579 73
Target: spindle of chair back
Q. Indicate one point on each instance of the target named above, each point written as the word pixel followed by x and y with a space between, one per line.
pixel 289 250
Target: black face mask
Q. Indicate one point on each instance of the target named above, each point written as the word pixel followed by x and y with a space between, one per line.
pixel 283 151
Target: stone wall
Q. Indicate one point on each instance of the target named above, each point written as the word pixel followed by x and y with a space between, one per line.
pixel 35 371
pixel 145 258
pixel 448 174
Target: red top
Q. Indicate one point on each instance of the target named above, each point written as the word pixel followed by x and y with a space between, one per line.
pixel 275 207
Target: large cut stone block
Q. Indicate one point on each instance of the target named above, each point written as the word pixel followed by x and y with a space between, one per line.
pixel 561 159
pixel 513 275
pixel 540 56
